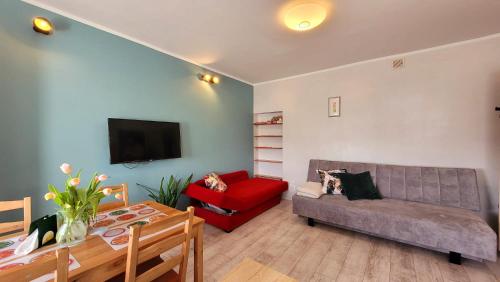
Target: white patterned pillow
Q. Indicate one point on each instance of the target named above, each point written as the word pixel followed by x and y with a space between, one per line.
pixel 213 182
pixel 331 184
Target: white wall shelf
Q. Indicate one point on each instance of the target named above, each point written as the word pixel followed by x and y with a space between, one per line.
pixel 268 145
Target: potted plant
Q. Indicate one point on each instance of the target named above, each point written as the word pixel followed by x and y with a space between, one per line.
pixel 168 195
pixel 77 206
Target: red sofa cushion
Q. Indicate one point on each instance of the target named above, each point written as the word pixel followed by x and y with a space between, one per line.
pixel 243 193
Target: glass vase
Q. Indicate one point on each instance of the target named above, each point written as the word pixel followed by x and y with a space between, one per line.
pixel 71 231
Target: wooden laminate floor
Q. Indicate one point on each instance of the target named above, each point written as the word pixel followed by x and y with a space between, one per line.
pixel 284 242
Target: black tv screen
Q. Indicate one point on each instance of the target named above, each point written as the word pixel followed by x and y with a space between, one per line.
pixel 139 140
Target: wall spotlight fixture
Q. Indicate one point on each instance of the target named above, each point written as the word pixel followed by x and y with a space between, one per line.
pixel 208 78
pixel 43 25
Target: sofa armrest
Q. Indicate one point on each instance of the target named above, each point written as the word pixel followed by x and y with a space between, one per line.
pixel 203 194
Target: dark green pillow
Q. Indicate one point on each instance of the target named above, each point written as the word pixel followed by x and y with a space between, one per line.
pixel 359 186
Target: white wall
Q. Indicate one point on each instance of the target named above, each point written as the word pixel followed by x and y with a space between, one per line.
pixel 436 111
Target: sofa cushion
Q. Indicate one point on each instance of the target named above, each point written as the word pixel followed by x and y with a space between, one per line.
pixel 440 228
pixel 249 193
pixel 310 189
pixel 359 186
pixel 214 182
pixel 331 183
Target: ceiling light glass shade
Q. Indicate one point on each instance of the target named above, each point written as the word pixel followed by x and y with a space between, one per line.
pixel 305 16
pixel 42 25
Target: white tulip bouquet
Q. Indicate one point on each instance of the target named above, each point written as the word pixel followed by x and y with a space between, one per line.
pixel 77 205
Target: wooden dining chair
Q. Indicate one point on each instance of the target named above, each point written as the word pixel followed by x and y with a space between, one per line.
pixel 140 252
pixel 24 225
pixel 57 264
pixel 123 190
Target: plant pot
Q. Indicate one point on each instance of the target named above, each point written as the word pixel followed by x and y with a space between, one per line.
pixel 71 232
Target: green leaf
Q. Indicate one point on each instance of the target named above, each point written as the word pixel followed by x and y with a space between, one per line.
pixel 64 197
pixel 187 182
pixel 152 193
pixel 170 182
pixel 161 183
pixel 73 195
pixel 82 195
pixel 154 197
pixel 58 200
pixel 92 184
pixel 54 190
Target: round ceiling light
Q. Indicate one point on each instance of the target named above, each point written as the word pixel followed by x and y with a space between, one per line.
pixel 42 25
pixel 304 25
pixel 305 16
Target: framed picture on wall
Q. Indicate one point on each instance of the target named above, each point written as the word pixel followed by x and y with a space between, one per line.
pixel 334 107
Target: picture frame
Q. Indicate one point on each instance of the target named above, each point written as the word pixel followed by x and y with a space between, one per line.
pixel 334 106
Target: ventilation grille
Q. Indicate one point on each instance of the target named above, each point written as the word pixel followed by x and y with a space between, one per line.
pixel 398 63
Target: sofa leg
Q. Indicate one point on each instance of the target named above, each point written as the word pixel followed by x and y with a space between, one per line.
pixel 310 222
pixel 455 258
pixel 228 231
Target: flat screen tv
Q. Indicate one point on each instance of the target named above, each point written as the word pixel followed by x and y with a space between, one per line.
pixel 141 141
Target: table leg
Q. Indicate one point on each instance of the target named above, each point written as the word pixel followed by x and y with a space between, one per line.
pixel 198 254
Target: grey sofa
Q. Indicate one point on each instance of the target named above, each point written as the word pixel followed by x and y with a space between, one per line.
pixel 434 208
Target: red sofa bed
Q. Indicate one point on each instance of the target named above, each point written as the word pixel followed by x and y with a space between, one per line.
pixel 248 196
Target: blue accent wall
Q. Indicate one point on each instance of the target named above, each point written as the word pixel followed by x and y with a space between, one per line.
pixel 56 93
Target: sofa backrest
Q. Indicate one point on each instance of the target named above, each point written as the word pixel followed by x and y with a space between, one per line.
pixel 452 187
pixel 228 178
pixel 233 177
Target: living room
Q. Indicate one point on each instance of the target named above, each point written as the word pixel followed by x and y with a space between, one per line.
pixel 300 140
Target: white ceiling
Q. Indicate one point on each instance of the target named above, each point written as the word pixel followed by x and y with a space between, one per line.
pixel 246 40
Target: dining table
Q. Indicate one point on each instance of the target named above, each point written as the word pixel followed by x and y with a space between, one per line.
pixel 98 261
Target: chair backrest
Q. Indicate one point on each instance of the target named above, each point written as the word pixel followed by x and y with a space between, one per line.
pixel 57 264
pixel 142 251
pixel 24 225
pixel 451 187
pixel 116 189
